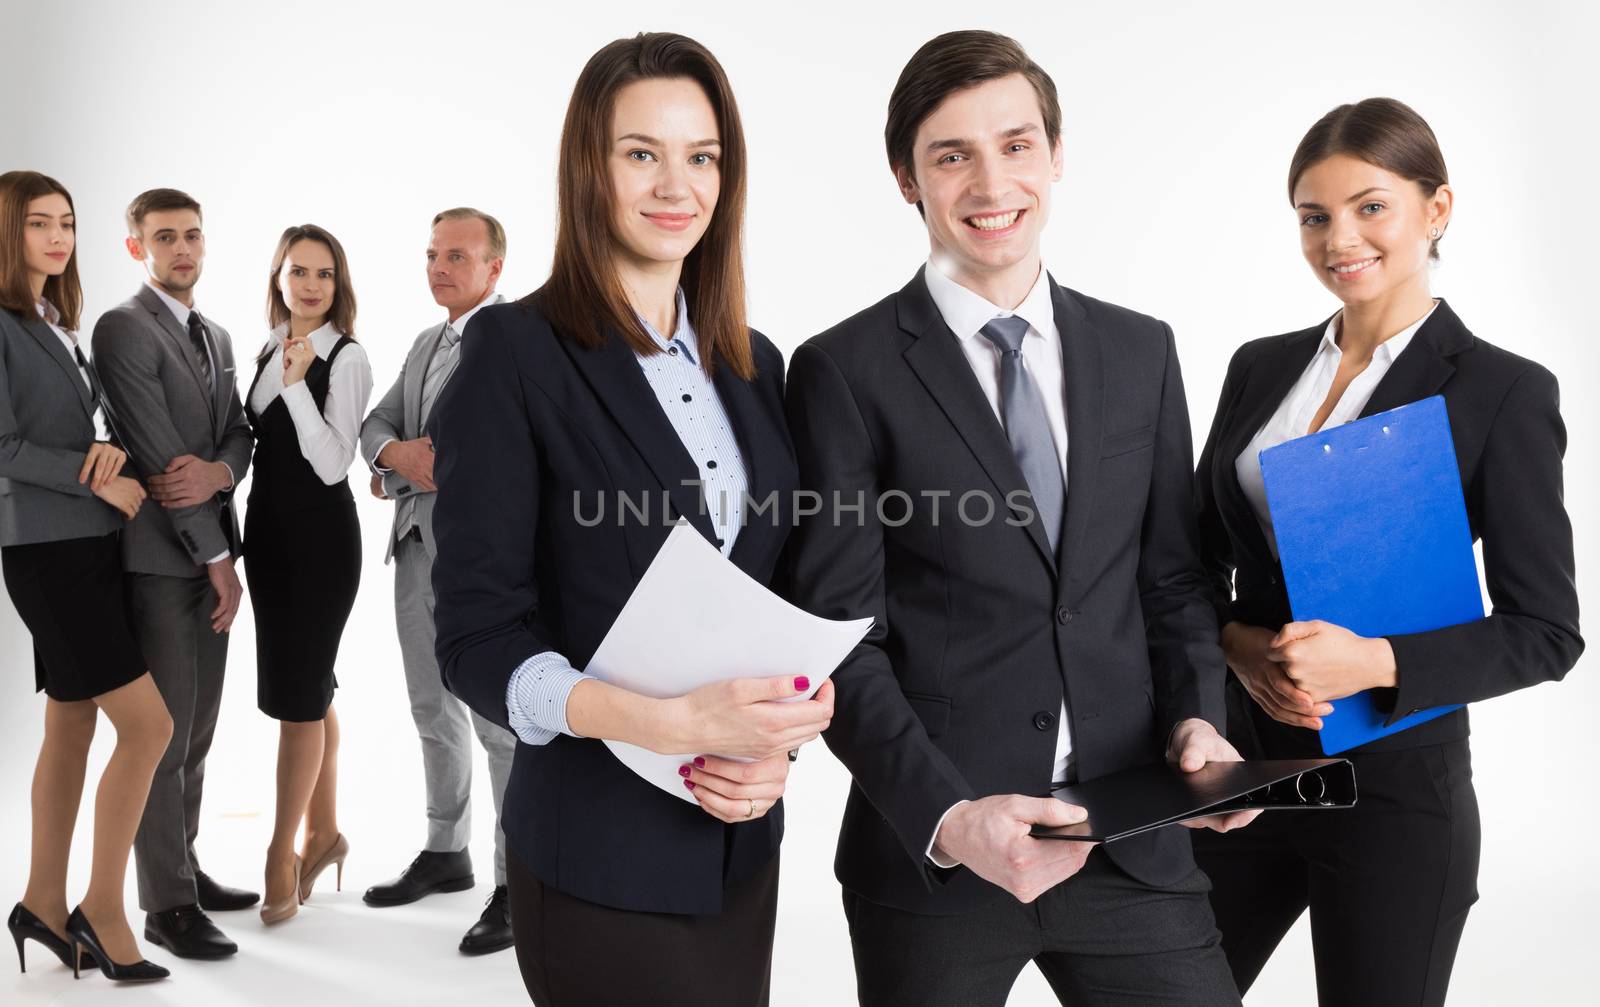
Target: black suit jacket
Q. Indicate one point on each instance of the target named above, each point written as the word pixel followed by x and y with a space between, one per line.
pixel 530 422
pixel 1506 423
pixel 980 630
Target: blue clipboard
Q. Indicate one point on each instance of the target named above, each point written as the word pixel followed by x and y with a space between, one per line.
pixel 1373 536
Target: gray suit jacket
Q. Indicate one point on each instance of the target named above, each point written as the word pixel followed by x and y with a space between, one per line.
pixel 46 427
pixel 398 416
pixel 163 409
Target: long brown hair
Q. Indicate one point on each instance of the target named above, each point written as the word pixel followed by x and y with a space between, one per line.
pixel 584 298
pixel 342 312
pixel 64 292
pixel 1382 132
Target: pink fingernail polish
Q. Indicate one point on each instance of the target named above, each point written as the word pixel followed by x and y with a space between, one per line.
pixel 689 784
pixel 801 683
pixel 683 770
pixel 700 761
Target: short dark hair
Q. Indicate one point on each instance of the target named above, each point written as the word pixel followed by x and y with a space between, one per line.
pixel 154 201
pixel 953 62
pixel 1382 132
pixel 497 234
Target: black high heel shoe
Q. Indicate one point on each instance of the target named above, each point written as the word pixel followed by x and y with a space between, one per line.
pixel 25 926
pixel 83 939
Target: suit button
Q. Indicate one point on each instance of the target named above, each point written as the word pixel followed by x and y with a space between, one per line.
pixel 1062 616
pixel 1044 721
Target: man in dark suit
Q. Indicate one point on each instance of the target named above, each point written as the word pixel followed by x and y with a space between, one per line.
pixel 169 375
pixel 1004 466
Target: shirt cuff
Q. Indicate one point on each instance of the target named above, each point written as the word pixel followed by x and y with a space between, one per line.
pixel 935 858
pixel 373 461
pixel 233 480
pixel 302 406
pixel 536 697
pixel 219 557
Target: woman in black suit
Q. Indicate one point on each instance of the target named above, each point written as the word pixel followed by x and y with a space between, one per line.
pixel 63 500
pixel 302 543
pixel 1389 883
pixel 631 373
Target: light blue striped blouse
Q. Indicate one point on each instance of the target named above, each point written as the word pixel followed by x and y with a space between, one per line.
pixel 536 696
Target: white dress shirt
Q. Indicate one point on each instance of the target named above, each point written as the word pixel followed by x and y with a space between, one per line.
pixel 966 312
pixel 1294 414
pixel 328 438
pixel 439 346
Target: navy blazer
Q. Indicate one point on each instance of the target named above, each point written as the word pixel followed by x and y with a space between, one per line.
pixel 981 628
pixel 1505 420
pixel 531 426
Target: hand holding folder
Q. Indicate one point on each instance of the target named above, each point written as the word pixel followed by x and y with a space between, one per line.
pixel 1372 534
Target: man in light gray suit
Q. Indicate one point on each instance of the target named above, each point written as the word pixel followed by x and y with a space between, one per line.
pixel 169 376
pixel 465 256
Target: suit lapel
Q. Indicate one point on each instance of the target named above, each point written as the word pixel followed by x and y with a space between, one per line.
pixel 614 374
pixel 939 363
pixel 1423 366
pixel 179 340
pixel 416 375
pixel 46 338
pixel 1085 383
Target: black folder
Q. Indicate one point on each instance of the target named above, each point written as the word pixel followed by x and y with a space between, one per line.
pixel 1149 797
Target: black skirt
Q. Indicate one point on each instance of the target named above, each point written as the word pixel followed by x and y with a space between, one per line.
pixel 303 568
pixel 70 596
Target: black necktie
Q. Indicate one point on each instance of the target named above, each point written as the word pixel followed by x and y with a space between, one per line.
pixel 197 336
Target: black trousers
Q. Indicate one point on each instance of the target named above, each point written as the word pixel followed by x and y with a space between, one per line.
pixel 1389 882
pixel 1100 938
pixel 579 954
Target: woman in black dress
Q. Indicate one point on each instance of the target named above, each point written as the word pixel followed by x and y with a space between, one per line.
pixel 62 505
pixel 1389 883
pixel 302 543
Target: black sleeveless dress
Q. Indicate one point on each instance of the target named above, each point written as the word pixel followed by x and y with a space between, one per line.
pixel 302 559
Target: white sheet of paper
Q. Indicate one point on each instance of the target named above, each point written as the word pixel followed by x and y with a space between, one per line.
pixel 695 619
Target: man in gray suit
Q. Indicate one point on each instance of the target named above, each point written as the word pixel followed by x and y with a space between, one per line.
pixel 169 375
pixel 465 255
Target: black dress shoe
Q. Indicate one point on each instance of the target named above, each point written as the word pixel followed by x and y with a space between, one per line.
pixel 215 898
pixel 25 926
pixel 429 873
pixel 492 932
pixel 83 939
pixel 188 933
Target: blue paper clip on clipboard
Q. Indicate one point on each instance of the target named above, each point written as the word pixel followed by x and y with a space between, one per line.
pixel 1372 534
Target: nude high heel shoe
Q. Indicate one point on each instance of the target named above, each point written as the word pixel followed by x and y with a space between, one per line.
pixel 335 855
pixel 282 909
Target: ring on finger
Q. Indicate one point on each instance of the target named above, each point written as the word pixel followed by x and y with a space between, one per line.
pixel 752 813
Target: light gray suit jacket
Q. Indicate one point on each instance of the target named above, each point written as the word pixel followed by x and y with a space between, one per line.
pixel 398 416
pixel 46 427
pixel 152 376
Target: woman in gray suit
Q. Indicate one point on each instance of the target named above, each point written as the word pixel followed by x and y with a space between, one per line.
pixel 62 504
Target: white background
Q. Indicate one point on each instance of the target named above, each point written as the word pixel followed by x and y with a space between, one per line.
pixel 1179 120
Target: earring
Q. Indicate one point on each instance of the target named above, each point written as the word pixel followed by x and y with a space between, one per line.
pixel 1435 234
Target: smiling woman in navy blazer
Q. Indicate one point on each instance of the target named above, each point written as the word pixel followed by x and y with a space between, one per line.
pixel 1390 882
pixel 632 374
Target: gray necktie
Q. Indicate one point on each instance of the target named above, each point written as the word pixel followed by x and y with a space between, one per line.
pixel 440 366
pixel 202 349
pixel 1028 425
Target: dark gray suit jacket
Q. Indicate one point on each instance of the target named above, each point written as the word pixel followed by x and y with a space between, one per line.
pixel 163 408
pixel 46 427
pixel 980 628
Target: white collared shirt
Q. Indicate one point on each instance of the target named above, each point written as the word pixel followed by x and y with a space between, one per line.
pixel 460 324
pixel 179 310
pixel 966 312
pixel 1294 414
pixel 52 318
pixel 328 438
